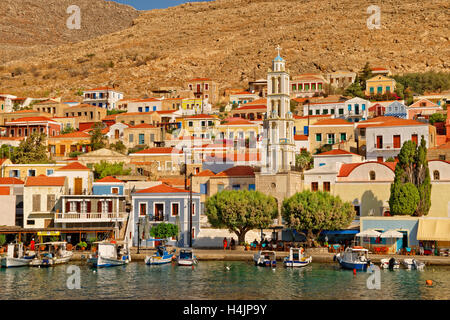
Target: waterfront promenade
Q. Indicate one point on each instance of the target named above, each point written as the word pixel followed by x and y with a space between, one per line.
pixel 236 255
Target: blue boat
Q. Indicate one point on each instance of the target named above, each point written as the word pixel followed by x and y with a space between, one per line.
pixel 162 256
pixel 355 258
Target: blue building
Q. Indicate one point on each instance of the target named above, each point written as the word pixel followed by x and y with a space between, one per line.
pixel 163 203
pixel 108 186
pixel 396 109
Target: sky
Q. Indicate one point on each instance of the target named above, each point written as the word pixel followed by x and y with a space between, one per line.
pixel 154 4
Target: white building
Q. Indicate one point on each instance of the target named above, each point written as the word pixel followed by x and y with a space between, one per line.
pixel 140 105
pixel 356 110
pixel 336 156
pixel 6 102
pixel 103 97
pixel 336 109
pixel 243 97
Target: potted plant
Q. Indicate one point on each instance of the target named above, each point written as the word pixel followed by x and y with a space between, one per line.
pixel 2 242
pixel 82 245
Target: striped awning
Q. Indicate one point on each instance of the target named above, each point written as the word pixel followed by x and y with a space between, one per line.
pixel 434 229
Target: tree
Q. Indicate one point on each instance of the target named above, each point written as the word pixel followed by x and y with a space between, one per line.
pixel 31 150
pixel 118 146
pixel 309 213
pixel 364 74
pixel 68 129
pixel 355 89
pixel 241 211
pixel 98 139
pixel 404 198
pixel 164 231
pixel 105 169
pixel 304 160
pixel 423 180
pixel 437 117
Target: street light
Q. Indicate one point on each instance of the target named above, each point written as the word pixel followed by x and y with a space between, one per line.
pixel 190 210
pixel 139 235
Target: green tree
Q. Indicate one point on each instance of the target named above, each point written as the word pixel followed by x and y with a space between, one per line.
pixel 355 89
pixel 423 180
pixel 164 231
pixel 68 129
pixel 98 139
pixel 304 160
pixel 309 213
pixel 6 151
pixel 241 211
pixel 364 74
pixel 105 169
pixel 404 198
pixel 118 146
pixel 31 150
pixel 437 117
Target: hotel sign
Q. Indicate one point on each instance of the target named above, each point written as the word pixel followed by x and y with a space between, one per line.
pixel 48 233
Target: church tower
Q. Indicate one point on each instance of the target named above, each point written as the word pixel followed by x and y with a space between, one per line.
pixel 279 122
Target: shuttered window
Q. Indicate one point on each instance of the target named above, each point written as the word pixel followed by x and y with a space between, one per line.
pixel 50 202
pixel 36 202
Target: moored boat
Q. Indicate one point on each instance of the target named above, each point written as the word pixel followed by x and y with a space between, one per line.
pixel 54 254
pixel 110 254
pixel 354 258
pixel 413 264
pixel 265 259
pixel 186 257
pixel 161 256
pixel 297 258
pixel 390 264
pixel 15 256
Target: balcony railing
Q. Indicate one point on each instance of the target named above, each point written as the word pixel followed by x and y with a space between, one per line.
pixel 90 217
pixel 387 146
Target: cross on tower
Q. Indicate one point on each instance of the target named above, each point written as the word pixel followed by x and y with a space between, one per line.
pixel 278 48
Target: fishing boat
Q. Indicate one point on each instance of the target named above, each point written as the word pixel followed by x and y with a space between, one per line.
pixel 390 264
pixel 413 264
pixel 354 258
pixel 297 258
pixel 186 257
pixel 265 259
pixel 161 256
pixel 110 254
pixel 54 253
pixel 15 256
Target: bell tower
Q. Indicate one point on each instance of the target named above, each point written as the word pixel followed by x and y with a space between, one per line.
pixel 278 122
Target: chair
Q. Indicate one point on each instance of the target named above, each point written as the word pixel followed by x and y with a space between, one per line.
pixel 408 251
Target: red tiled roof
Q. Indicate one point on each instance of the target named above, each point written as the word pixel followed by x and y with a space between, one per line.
pixel 111 116
pixel 76 134
pixel 3 160
pixel 238 121
pixel 166 111
pixel 300 137
pixel 175 181
pixel 4 191
pixel 335 152
pixel 162 188
pixel 237 171
pixel 347 168
pixel 205 173
pixel 251 107
pixel 43 180
pixel 31 119
pixel 159 150
pixel 388 121
pixel 201 116
pixel 8 180
pixel 109 179
pixel 75 166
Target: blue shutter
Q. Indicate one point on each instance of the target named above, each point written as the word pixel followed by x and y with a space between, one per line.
pixel 140 109
pixel 305 130
pixel 363 106
pixel 147 109
pixel 154 108
pixel 251 187
pixel 349 107
pixel 295 130
pixel 203 188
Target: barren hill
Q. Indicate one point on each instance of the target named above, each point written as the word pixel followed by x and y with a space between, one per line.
pixel 31 26
pixel 233 41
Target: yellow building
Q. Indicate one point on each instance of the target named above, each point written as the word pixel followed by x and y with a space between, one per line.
pixel 200 125
pixel 301 123
pixel 379 85
pixel 142 134
pixel 193 104
pixel 64 144
pixel 135 118
pixel 239 129
pixel 21 171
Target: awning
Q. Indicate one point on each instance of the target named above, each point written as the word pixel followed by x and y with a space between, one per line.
pixel 370 233
pixel 434 229
pixel 340 232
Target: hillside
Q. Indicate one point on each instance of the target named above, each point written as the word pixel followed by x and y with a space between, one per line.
pixel 233 41
pixel 28 27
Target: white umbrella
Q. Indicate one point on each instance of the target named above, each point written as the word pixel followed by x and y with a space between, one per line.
pixel 391 234
pixel 370 233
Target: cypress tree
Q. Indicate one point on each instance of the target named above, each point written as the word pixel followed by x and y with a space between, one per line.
pixel 423 180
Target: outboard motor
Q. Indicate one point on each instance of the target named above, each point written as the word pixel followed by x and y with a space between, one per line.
pixel 334 258
pixel 391 263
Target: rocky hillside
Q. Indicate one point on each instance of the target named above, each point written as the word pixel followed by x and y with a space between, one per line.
pixel 233 41
pixel 31 26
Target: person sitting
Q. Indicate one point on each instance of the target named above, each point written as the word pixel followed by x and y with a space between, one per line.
pixel 232 244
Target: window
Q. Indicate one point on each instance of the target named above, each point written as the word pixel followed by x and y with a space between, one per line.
pixel 343 136
pixel 313 86
pixel 193 208
pixel 31 173
pixel 317 112
pixel 193 233
pixel 414 138
pixel 372 89
pixel 357 211
pixel 341 111
pixel 349 107
pixel 380 159
pixel 131 138
pixel 306 87
pixel 314 186
pixel 141 138
pixel 379 89
pixel 51 200
pixel 318 137
pixel 169 166
pixel 175 209
pixel 140 109
pixel 397 141
pixel 49 172
pixel 379 142
pixel 203 123
pixel 147 109
pixel 325 111
pixel 372 175
pixel 436 175
pixel 236 186
pixel 388 89
pixel 320 86
pixel 326 186
pixel 30 222
pixel 220 187
pixel 142 209
pixel 294 87
pixel 330 138
pixel 203 188
pixel 251 186
pixel 442 157
pixel 115 190
pixel 190 124
pixel 36 202
pixel 206 86
pixel 332 111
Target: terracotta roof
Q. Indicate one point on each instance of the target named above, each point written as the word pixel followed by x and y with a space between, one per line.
pixel 300 137
pixel 261 101
pixel 166 111
pixel 201 116
pixel 331 122
pixel 31 119
pixel 4 191
pixel 243 93
pixel 174 181
pixel 238 121
pixel 375 106
pixel 142 126
pixel 111 116
pixel 109 179
pixel 335 152
pixel 428 104
pixel 76 134
pixel 100 88
pixel 24 111
pixel 205 173
pixel 347 168
pixel 162 188
pixel 43 180
pixel 251 107
pixel 388 121
pixel 237 171
pixel 159 150
pixel 3 160
pixel 75 166
pixel 8 180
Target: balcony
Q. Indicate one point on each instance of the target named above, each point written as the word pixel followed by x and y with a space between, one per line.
pixel 387 147
pixel 78 217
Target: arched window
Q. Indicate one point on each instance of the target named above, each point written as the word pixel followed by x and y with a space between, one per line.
pixel 436 175
pixel 372 175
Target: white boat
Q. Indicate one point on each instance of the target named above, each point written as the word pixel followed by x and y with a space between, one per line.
pixel 15 256
pixel 186 257
pixel 265 259
pixel 162 256
pixel 54 254
pixel 297 258
pixel 413 264
pixel 389 264
pixel 110 254
pixel 354 258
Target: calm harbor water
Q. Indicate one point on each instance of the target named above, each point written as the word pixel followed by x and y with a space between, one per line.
pixel 212 280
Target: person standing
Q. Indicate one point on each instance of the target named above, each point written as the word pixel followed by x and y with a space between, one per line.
pixel 225 243
pixel 32 244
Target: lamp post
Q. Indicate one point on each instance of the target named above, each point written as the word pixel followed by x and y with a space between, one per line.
pixel 139 235
pixel 190 210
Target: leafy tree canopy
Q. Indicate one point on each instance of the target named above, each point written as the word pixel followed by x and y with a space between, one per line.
pixel 164 230
pixel 105 169
pixel 31 150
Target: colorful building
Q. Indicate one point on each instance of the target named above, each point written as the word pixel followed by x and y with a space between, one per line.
pixel 379 85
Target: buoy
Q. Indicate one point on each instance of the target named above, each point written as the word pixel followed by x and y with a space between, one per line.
pixel 354 272
pixel 429 282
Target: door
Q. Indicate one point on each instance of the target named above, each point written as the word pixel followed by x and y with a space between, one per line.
pixel 78 185
pixel 397 141
pixel 62 150
pixel 415 139
pixel 159 212
pixel 379 142
pixel 116 134
pixel 198 88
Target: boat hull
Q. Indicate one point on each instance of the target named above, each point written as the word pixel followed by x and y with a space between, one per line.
pixel 297 263
pixel 47 262
pixel 352 265
pixel 8 262
pixel 102 262
pixel 150 260
pixel 186 262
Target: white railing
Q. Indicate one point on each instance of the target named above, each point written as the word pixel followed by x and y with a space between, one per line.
pixel 89 217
